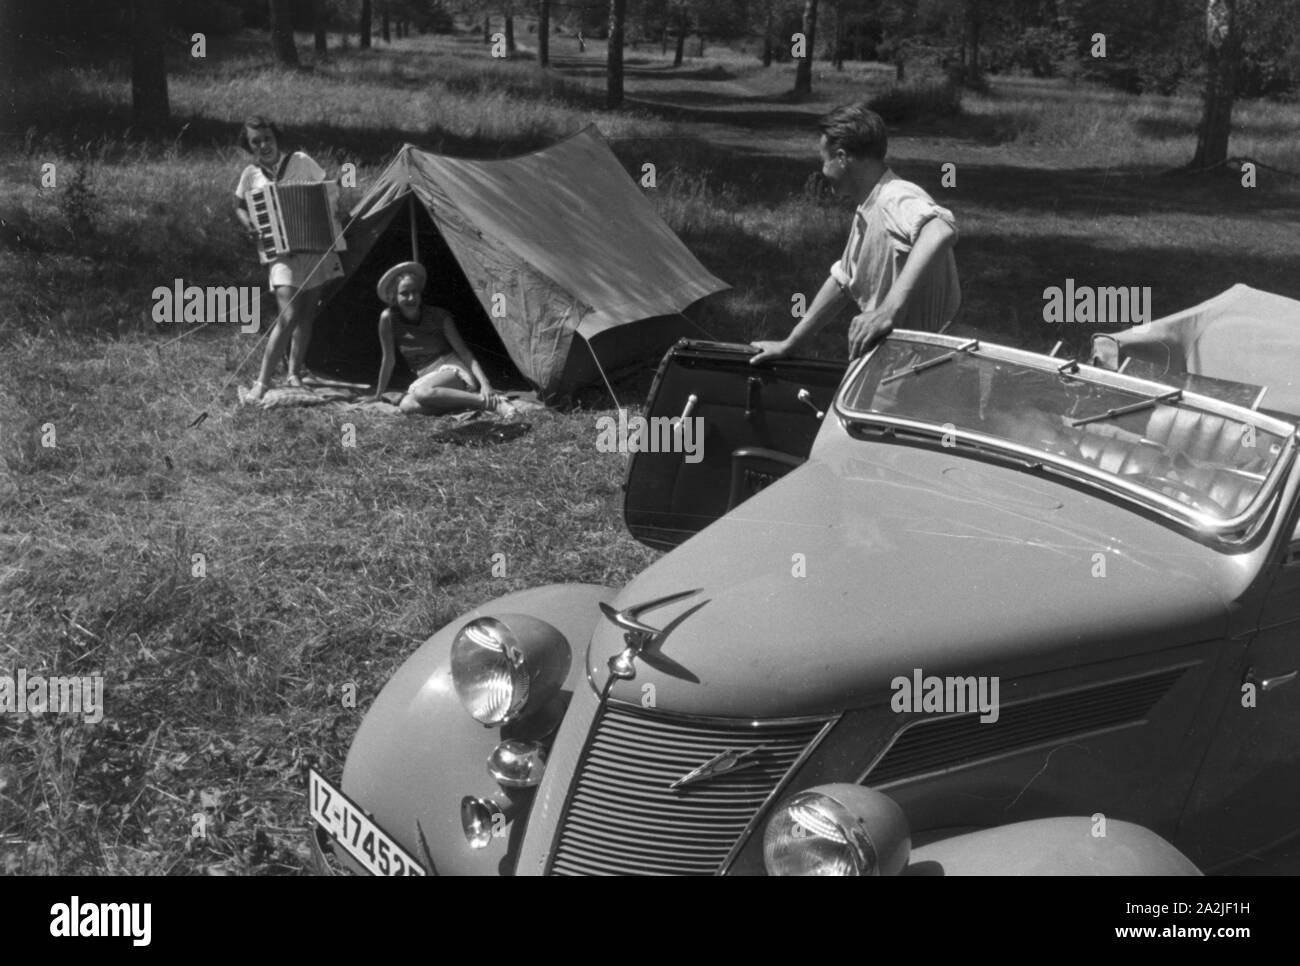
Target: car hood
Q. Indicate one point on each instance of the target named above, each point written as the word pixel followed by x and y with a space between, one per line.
pixel 875 560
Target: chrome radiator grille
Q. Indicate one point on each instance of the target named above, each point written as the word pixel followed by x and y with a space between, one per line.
pixel 623 819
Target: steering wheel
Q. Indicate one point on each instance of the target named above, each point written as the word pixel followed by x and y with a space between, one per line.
pixel 1192 497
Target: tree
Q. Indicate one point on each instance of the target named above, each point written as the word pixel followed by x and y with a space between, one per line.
pixel 837 55
pixel 508 12
pixel 319 39
pixel 769 43
pixel 898 27
pixel 286 51
pixel 149 106
pixel 614 58
pixel 364 27
pixel 721 20
pixel 385 25
pixel 544 33
pixel 1223 37
pixel 972 73
pixel 682 18
pixel 803 70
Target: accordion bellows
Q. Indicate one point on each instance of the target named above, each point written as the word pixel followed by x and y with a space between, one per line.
pixel 295 218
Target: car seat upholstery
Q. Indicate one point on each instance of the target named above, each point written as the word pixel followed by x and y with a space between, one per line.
pixel 1202 451
pixel 1204 438
pixel 1199 435
pixel 1117 450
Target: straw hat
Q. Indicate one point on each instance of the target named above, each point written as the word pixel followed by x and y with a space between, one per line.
pixel 387 287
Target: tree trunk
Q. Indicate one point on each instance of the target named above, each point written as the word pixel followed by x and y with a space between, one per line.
pixel 768 45
pixel 149 106
pixel 385 28
pixel 974 20
pixel 837 56
pixel 1223 35
pixel 614 60
pixel 680 52
pixel 803 70
pixel 510 32
pixel 700 52
pixel 544 33
pixel 286 51
pixel 487 28
pixel 320 38
pixel 663 41
pixel 363 30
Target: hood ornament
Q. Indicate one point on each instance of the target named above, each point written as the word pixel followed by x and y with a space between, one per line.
pixel 636 636
pixel 720 764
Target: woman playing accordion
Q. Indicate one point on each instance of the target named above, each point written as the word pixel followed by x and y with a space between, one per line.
pixel 295 276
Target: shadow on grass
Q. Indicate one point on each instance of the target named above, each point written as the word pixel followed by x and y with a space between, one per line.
pixel 784 111
pixel 584 67
pixel 1099 192
pixel 745 113
pixel 1185 129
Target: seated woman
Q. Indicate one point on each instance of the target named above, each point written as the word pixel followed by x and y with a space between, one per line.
pixel 447 376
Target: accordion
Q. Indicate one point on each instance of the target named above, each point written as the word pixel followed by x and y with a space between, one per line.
pixel 295 218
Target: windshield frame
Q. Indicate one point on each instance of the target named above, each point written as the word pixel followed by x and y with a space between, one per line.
pixel 1234 529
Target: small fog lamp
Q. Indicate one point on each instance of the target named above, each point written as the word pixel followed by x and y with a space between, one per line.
pixel 481 819
pixel 517 764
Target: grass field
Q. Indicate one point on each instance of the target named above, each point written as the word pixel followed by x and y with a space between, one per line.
pixel 325 565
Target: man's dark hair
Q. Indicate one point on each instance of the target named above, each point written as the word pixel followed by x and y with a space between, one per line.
pixel 258 123
pixel 857 129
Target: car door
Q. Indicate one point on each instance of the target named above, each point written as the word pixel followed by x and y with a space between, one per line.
pixel 1245 796
pixel 750 426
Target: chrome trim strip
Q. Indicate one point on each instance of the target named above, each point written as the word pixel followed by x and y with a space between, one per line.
pixel 722 721
pixel 777 789
pixel 1236 529
pixel 545 823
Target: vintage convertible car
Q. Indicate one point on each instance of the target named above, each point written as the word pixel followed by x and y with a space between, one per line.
pixel 960 609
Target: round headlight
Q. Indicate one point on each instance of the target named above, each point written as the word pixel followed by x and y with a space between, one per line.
pixel 505 667
pixel 837 830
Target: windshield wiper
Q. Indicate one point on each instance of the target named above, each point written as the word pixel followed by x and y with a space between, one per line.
pixel 971 346
pixel 1137 407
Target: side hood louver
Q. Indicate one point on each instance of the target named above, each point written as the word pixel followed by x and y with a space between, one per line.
pixel 940 743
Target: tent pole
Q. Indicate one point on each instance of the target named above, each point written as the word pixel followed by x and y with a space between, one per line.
pixel 415 242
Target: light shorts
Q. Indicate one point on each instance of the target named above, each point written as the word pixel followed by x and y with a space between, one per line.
pixel 300 270
pixel 449 362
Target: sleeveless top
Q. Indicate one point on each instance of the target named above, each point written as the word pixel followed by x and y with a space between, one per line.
pixel 422 342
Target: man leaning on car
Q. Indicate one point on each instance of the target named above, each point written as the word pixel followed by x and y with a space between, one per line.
pixel 898 265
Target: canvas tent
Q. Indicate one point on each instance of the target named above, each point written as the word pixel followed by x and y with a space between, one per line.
pixel 549 261
pixel 1243 335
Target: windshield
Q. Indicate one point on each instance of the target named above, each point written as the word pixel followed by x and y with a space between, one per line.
pixel 1159 440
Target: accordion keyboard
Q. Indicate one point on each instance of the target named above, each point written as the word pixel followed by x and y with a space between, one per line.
pixel 295 218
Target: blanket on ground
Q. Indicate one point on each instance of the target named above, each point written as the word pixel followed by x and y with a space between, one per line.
pixel 352 396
